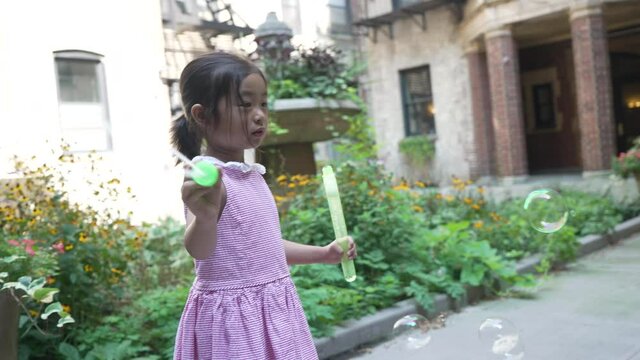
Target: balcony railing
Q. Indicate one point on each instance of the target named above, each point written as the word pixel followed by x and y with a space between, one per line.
pixel 379 15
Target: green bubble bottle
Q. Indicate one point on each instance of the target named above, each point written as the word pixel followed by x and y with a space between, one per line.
pixel 337 218
pixel 203 173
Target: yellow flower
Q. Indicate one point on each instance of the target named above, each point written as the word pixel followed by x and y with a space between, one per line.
pixel 438 196
pixel 66 308
pixel 33 313
pixel 68 247
pixel 467 201
pixel 480 190
pixel 478 224
pixel 281 178
pixel 88 268
pixel 420 184
pixel 53 231
pixel 82 237
pixel 292 185
pixel 475 207
pixel 401 187
pixel 117 271
pixel 51 280
pixel 279 199
pixel 417 208
pixel 449 198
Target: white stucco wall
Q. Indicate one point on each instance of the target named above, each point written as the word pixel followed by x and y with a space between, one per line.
pixel 129 36
pixel 438 47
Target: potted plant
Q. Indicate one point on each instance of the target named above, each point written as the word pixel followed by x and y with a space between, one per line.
pixel 313 97
pixel 419 151
pixel 628 163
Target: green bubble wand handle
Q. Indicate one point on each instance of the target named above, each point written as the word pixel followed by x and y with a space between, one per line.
pixel 337 218
pixel 203 173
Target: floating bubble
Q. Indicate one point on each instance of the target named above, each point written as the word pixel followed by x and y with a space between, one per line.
pixel 546 210
pixel 413 331
pixel 500 335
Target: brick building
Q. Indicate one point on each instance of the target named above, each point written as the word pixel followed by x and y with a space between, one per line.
pixel 506 88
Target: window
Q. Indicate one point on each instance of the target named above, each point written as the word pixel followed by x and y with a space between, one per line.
pixel 82 101
pixel 417 101
pixel 339 17
pixel 399 4
pixel 543 108
pixel 540 89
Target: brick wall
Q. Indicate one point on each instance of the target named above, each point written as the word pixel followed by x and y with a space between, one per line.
pixel 508 124
pixel 593 87
pixel 482 160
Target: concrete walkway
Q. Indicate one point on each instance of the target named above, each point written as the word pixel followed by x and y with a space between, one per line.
pixel 590 312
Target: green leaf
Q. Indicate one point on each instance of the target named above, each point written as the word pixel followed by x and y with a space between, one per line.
pixel 35 285
pixel 472 274
pixel 25 280
pixel 23 320
pixel 15 285
pixel 69 351
pixel 45 295
pixel 65 320
pixel 55 307
pixel 12 258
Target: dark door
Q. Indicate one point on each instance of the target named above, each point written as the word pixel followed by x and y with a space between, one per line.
pixel 625 70
pixel 548 101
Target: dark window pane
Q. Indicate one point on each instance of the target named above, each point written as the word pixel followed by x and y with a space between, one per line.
pixel 543 106
pixel 78 80
pixel 417 102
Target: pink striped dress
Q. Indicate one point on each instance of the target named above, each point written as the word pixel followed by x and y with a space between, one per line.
pixel 243 304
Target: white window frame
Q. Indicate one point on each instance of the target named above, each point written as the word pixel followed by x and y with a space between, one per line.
pixel 69 128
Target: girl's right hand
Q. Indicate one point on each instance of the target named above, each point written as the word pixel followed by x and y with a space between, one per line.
pixel 204 202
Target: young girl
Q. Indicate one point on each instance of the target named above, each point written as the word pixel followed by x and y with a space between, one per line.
pixel 243 304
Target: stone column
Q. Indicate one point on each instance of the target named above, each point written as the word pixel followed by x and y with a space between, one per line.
pixel 506 105
pixel 593 87
pixel 482 159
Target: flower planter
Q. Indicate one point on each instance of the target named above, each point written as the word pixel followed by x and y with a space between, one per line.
pixel 307 120
pixel 310 120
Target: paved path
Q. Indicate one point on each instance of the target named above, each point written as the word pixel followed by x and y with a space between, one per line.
pixel 590 312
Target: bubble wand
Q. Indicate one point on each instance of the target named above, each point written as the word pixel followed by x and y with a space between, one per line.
pixel 203 173
pixel 337 218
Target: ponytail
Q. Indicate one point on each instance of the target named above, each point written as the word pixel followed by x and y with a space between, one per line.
pixel 184 138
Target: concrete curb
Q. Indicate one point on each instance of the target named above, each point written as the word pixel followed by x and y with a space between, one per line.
pixel 378 326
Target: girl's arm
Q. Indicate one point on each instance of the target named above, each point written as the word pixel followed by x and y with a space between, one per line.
pixel 204 207
pixel 309 254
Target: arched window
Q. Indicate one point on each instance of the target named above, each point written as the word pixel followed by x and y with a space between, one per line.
pixel 82 100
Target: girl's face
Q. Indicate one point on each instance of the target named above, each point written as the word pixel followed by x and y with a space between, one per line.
pixel 242 123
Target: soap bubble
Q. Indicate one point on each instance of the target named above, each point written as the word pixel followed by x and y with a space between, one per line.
pixel 413 331
pixel 546 210
pixel 502 338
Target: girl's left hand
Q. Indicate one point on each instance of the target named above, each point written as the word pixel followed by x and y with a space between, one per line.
pixel 334 252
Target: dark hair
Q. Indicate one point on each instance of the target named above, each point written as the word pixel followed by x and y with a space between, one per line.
pixel 205 81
